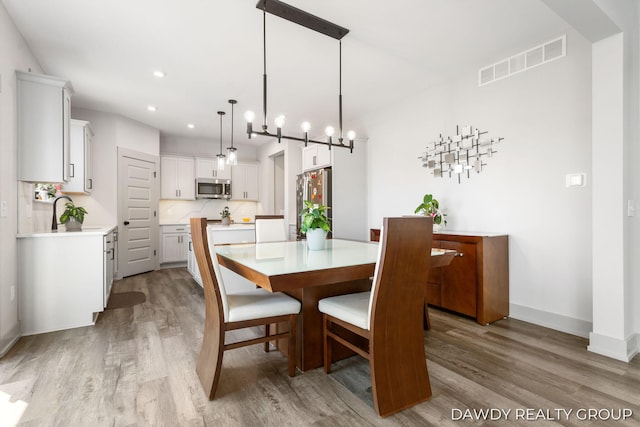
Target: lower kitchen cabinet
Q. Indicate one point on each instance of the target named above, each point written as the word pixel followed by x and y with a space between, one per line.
pixel 64 278
pixel 476 283
pixel 174 242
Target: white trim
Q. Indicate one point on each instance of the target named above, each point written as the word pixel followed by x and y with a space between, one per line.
pixel 620 349
pixel 14 335
pixel 558 322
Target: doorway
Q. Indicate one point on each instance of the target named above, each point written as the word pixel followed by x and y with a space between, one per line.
pixel 278 184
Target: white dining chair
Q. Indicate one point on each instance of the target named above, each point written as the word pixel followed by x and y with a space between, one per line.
pixel 385 324
pixel 270 228
pixel 226 312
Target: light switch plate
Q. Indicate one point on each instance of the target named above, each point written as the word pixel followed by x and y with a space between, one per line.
pixel 576 179
pixel 631 208
pixel 4 209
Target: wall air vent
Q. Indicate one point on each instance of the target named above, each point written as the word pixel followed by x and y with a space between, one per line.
pixel 522 61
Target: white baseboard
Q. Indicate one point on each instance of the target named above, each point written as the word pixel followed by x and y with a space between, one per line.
pixel 558 322
pixel 619 349
pixel 9 340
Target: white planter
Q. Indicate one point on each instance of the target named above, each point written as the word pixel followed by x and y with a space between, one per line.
pixel 316 239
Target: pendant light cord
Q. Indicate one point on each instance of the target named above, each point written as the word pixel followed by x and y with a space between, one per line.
pixel 340 94
pixel 264 75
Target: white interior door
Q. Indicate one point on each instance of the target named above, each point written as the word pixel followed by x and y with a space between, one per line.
pixel 138 229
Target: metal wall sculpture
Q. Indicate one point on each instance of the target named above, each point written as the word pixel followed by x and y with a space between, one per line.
pixel 459 154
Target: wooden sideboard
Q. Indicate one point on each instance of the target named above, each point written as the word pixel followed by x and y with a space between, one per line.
pixel 476 283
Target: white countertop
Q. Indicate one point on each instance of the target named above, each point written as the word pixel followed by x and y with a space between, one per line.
pixel 235 227
pixel 62 232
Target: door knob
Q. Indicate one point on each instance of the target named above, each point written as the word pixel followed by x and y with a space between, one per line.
pixel 126 223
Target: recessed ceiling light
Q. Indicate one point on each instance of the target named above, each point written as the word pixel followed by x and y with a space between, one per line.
pixel 152 108
pixel 159 73
pixel 191 126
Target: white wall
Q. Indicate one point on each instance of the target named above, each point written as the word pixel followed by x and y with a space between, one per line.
pixel 544 115
pixel 14 54
pixel 171 144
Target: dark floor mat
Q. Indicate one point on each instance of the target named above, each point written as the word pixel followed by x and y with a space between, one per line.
pixel 125 299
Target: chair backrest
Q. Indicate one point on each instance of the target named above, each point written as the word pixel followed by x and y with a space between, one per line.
pixel 212 282
pixel 270 228
pixel 401 274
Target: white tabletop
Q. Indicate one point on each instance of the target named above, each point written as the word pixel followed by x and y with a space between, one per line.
pixel 277 258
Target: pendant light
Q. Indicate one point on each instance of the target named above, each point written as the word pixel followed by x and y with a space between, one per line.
pixel 232 158
pixel 312 22
pixel 221 155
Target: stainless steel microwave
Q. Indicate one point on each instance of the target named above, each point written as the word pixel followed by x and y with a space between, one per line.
pixel 211 188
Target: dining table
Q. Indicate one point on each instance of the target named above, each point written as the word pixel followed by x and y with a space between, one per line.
pixel 341 267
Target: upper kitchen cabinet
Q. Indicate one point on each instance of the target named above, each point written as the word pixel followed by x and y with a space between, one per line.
pixel 207 167
pixel 315 156
pixel 244 182
pixel 177 178
pixel 80 179
pixel 44 114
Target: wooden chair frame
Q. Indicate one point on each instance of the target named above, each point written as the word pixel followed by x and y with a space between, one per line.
pixel 399 376
pixel 213 341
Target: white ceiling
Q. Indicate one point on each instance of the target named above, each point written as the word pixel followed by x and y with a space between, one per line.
pixel 211 50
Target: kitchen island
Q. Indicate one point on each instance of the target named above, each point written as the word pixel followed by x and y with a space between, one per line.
pixel 64 277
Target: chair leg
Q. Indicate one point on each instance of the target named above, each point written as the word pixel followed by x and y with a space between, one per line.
pixel 427 319
pixel 267 328
pixel 293 321
pixel 326 344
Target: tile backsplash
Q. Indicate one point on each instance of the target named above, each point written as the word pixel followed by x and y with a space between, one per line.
pixel 179 211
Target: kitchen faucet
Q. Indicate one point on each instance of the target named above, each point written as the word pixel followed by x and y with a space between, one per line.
pixel 54 222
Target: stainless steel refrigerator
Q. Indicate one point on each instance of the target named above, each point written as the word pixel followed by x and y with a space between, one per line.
pixel 314 186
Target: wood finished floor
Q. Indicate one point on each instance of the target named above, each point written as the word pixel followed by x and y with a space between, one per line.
pixel 136 366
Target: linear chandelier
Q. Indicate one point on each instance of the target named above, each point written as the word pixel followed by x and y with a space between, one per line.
pixel 315 23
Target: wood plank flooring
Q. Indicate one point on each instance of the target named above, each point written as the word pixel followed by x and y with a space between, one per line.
pixel 136 366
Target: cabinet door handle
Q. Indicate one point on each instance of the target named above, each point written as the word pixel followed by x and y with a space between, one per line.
pixel 90 183
pixel 314 160
pixel 113 254
pixel 72 171
pixel 176 193
pixel 190 250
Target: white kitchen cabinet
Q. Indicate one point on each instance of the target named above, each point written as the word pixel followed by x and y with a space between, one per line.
pixel 64 278
pixel 109 263
pixel 80 178
pixel 207 167
pixel 177 178
pixel 244 182
pixel 192 265
pixel 316 156
pixel 174 243
pixel 44 113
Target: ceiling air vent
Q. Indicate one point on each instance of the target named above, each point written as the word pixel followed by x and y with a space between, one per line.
pixel 533 57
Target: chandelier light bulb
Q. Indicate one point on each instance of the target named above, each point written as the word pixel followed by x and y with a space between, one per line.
pixel 306 126
pixel 329 130
pixel 279 121
pixel 249 116
pixel 351 135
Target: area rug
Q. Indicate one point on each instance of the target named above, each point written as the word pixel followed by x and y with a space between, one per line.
pixel 125 299
pixel 354 374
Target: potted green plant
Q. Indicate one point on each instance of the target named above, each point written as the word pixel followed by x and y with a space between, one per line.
pixel 314 224
pixel 73 217
pixel 431 207
pixel 226 216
